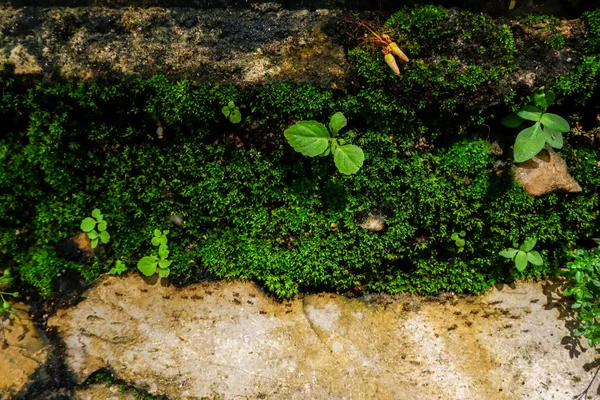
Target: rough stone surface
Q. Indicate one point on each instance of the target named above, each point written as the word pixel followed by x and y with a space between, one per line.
pixel 23 350
pixel 102 391
pixel 228 46
pixel 228 340
pixel 545 173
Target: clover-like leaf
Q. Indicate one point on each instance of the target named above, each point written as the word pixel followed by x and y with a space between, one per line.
pixel 529 142
pixel 348 158
pixel 337 122
pixel 310 138
pixel 88 224
pixel 454 236
pixel 92 234
pixel 236 116
pixel 509 253
pixel 163 251
pixel 531 113
pixel 460 242
pixel 535 258
pixel 155 241
pixel 163 272
pixel 94 243
pixel 512 121
pixel 528 245
pixel 157 233
pixel 163 240
pixel 96 213
pixel 105 237
pixel 102 226
pixel 164 263
pixel 226 111
pixel 553 138
pixel 555 122
pixel 521 260
pixel 147 265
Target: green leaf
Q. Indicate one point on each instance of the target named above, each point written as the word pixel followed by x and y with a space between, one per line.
pixel 147 265
pixel 521 260
pixel 576 305
pixel 530 113
pixel 543 99
pixel 310 138
pixel 535 258
pixel 164 263
pixel 102 226
pixel 96 213
pixel 579 331
pixel 163 251
pixel 92 234
pixel 578 276
pixel 553 138
pixel 88 224
pixel 226 111
pixel 512 120
pixel 157 233
pixel 508 253
pixel 231 104
pixel 163 273
pixel 163 240
pixel 454 236
pixel 460 242
pixel 555 122
pixel 105 237
pixel 337 122
pixel 94 243
pixel 236 116
pixel 155 241
pixel 529 142
pixel 348 158
pixel 528 245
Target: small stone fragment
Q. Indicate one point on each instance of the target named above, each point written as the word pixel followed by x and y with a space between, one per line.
pixel 373 223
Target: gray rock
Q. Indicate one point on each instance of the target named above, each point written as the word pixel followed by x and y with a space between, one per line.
pixel 545 173
pixel 228 340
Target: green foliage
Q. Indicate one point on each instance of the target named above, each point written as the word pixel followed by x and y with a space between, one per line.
pixel 89 226
pixel 5 282
pixel 459 240
pixel 232 112
pixel 547 128
pixel 150 264
pixel 523 255
pixel 311 138
pixel 592 22
pixel 118 269
pixel 584 274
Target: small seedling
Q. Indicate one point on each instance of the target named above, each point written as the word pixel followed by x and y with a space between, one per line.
pixel 5 281
pixel 149 264
pixel 232 112
pixel 459 240
pixel 89 226
pixel 523 255
pixel 548 128
pixel 312 139
pixel 118 269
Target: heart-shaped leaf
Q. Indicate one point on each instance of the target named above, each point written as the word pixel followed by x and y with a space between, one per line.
pixel 88 224
pixel 535 258
pixel 553 138
pixel 226 111
pixel 337 122
pixel 147 265
pixel 529 142
pixel 163 273
pixel 94 243
pixel 530 113
pixel 555 122
pixel 542 98
pixel 92 234
pixel 310 138
pixel 164 263
pixel 155 241
pixel 105 237
pixel 528 245
pixel 512 120
pixel 102 226
pixel 236 116
pixel 508 253
pixel 521 260
pixel 348 158
pixel 96 213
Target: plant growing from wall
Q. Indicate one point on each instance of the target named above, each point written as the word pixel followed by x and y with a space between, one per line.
pixel 118 269
pixel 584 273
pixel 150 264
pixel 311 138
pixel 459 240
pixel 89 226
pixel 547 128
pixel 232 112
pixel 5 281
pixel 523 255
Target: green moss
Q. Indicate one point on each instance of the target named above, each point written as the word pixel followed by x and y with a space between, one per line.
pixel 592 22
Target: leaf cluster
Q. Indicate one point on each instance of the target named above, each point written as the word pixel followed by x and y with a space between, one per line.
pixel 311 138
pixel 584 274
pixel 523 255
pixel 148 265
pixel 89 226
pixel 547 128
pixel 232 112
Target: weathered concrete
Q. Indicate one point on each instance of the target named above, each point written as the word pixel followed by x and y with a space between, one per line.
pixel 228 340
pixel 23 351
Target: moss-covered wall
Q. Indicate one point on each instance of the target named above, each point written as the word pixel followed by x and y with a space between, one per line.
pixel 252 208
